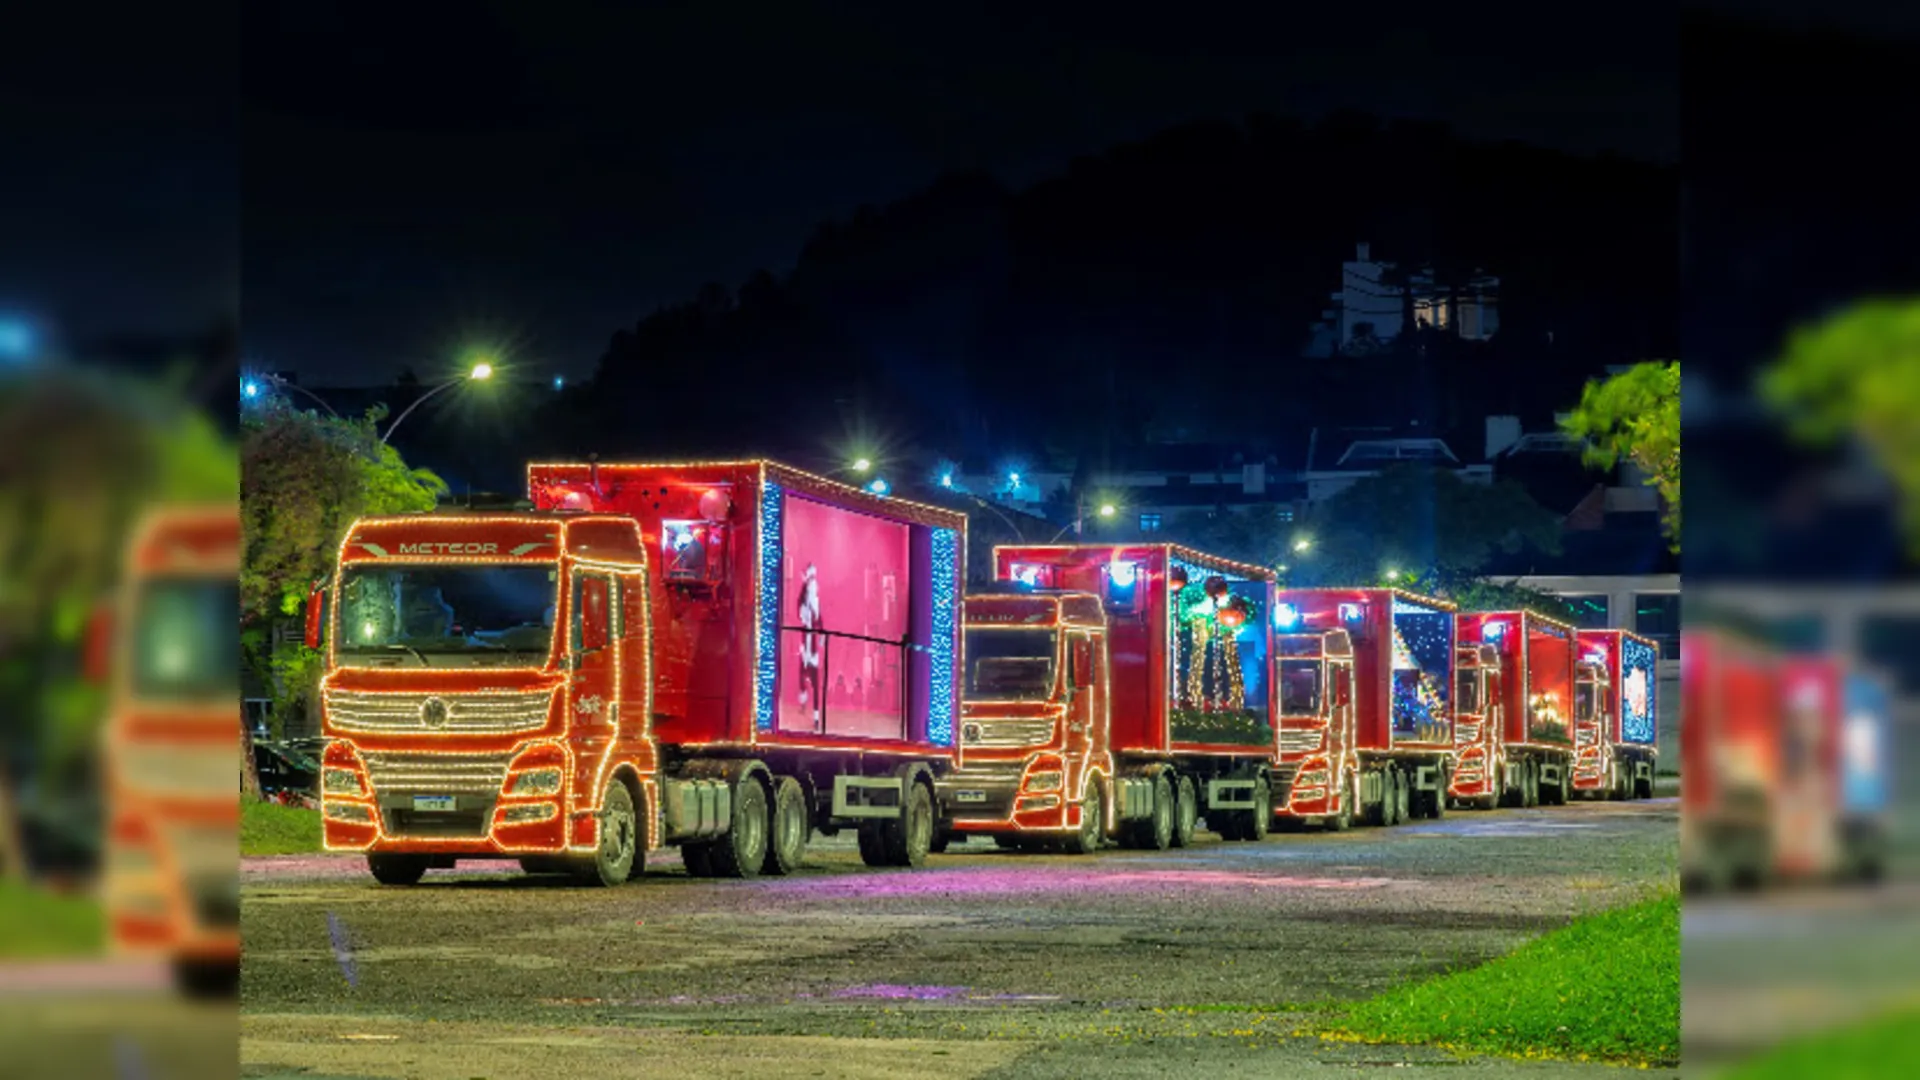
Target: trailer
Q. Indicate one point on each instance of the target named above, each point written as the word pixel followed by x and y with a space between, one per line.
pixel 1190 728
pixel 1729 749
pixel 1035 743
pixel 1539 674
pixel 1388 755
pixel 1616 715
pixel 1866 789
pixel 724 657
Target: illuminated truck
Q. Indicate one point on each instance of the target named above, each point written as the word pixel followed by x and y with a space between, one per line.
pixel 167 648
pixel 1034 725
pixel 1532 763
pixel 1189 646
pixel 724 657
pixel 1616 715
pixel 1383 753
pixel 1729 749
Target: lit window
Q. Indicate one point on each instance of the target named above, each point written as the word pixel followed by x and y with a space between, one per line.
pixel 1149 522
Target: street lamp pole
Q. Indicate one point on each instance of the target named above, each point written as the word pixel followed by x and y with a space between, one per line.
pixel 480 371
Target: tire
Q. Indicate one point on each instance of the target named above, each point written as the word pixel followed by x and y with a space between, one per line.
pixel 1350 795
pixel 1563 791
pixel 614 856
pixel 207 980
pixel 388 869
pixel 1093 811
pixel 1259 819
pixel 698 857
pixel 1186 812
pixel 941 838
pixel 872 845
pixel 789 829
pixel 906 840
pixel 1156 833
pixel 743 850
pixel 1437 802
pixel 1381 815
pixel 1402 796
pixel 1530 784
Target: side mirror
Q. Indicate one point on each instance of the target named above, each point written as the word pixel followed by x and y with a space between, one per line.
pixel 97 658
pixel 317 614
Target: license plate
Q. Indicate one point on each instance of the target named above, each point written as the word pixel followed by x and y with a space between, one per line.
pixel 969 796
pixel 433 802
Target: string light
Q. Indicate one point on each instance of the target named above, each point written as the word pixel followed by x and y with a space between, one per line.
pixel 947 549
pixel 767 617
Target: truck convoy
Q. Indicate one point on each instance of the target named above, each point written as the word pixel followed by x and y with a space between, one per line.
pixel 1527 744
pixel 166 648
pixel 1183 683
pixel 719 656
pixel 1786 762
pixel 1616 715
pixel 1377 744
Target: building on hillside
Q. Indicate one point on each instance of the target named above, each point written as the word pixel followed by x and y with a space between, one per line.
pixel 1379 301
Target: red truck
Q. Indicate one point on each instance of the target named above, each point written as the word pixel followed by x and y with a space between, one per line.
pixel 1729 750
pixel 719 656
pixel 1530 706
pixel 171 743
pixel 1616 715
pixel 1034 724
pixel 1189 654
pixel 1379 744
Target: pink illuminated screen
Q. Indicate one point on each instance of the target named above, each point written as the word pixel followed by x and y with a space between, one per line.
pixel 844 594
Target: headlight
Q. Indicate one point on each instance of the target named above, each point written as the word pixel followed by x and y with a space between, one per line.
pixel 521 815
pixel 1043 781
pixel 536 782
pixel 971 733
pixel 341 782
pixel 350 813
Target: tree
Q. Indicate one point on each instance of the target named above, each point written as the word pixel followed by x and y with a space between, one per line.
pixel 1258 534
pixel 1635 416
pixel 1416 523
pixel 88 451
pixel 304 479
pixel 1858 374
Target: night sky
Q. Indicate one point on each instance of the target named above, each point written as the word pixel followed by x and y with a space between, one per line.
pixel 546 180
pixel 412 181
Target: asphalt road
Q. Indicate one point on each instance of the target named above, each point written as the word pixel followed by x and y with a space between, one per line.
pixel 1224 956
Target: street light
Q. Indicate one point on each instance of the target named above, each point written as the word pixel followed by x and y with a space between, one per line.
pixel 862 465
pixel 1107 510
pixel 481 372
pixel 252 389
pixel 1302 544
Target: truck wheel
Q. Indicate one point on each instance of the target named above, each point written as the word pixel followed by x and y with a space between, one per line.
pixel 792 827
pixel 941 838
pixel 1402 796
pixel 1093 809
pixel 1563 791
pixel 905 841
pixel 1260 818
pixel 698 857
pixel 1186 812
pixel 1381 813
pixel 1529 783
pixel 1437 800
pixel 613 858
pixel 1349 798
pixel 873 849
pixel 390 869
pixel 207 979
pixel 1156 833
pixel 743 850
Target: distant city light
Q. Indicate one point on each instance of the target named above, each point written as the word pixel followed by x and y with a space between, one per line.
pixel 1106 510
pixel 878 487
pixel 862 465
pixel 946 480
pixel 1302 544
pixel 16 339
pixel 1393 575
pixel 559 382
pixel 1014 479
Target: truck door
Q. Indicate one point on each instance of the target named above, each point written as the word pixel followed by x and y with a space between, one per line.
pixel 1087 705
pixel 1341 732
pixel 594 661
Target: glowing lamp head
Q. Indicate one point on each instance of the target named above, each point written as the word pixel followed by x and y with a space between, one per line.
pixel 1393 575
pixel 482 371
pixel 559 382
pixel 878 487
pixel 946 480
pixel 250 389
pixel 862 464
pixel 1302 544
pixel 1014 479
pixel 1122 573
pixel 1106 510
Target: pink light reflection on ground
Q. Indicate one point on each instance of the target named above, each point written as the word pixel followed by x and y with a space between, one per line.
pixel 1054 879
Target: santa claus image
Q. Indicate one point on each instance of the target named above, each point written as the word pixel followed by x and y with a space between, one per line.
pixel 812 643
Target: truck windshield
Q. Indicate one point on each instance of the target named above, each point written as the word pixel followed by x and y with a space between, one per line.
pixel 186 640
pixel 446 616
pixel 1300 687
pixel 1010 665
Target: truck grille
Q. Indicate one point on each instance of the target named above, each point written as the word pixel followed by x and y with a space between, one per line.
pixel 504 713
pixel 1008 733
pixel 1301 742
pixel 432 774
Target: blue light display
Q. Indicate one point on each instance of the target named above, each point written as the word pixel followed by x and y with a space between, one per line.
pixel 1286 616
pixel 1423 671
pixel 1638 704
pixel 946 595
pixel 767 664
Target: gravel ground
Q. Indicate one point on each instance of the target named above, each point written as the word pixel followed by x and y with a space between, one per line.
pixel 985 964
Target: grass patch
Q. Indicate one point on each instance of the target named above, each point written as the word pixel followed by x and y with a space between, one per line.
pixel 271 829
pixel 35 923
pixel 1606 988
pixel 1888 1046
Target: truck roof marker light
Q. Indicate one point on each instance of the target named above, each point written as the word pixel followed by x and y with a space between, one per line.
pixel 1494 630
pixel 1123 573
pixel 1350 613
pixel 1286 616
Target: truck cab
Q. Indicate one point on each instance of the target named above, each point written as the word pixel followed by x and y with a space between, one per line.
pixel 1594 769
pixel 1478 723
pixel 1316 721
pixel 1034 721
pixel 166 649
pixel 488 694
